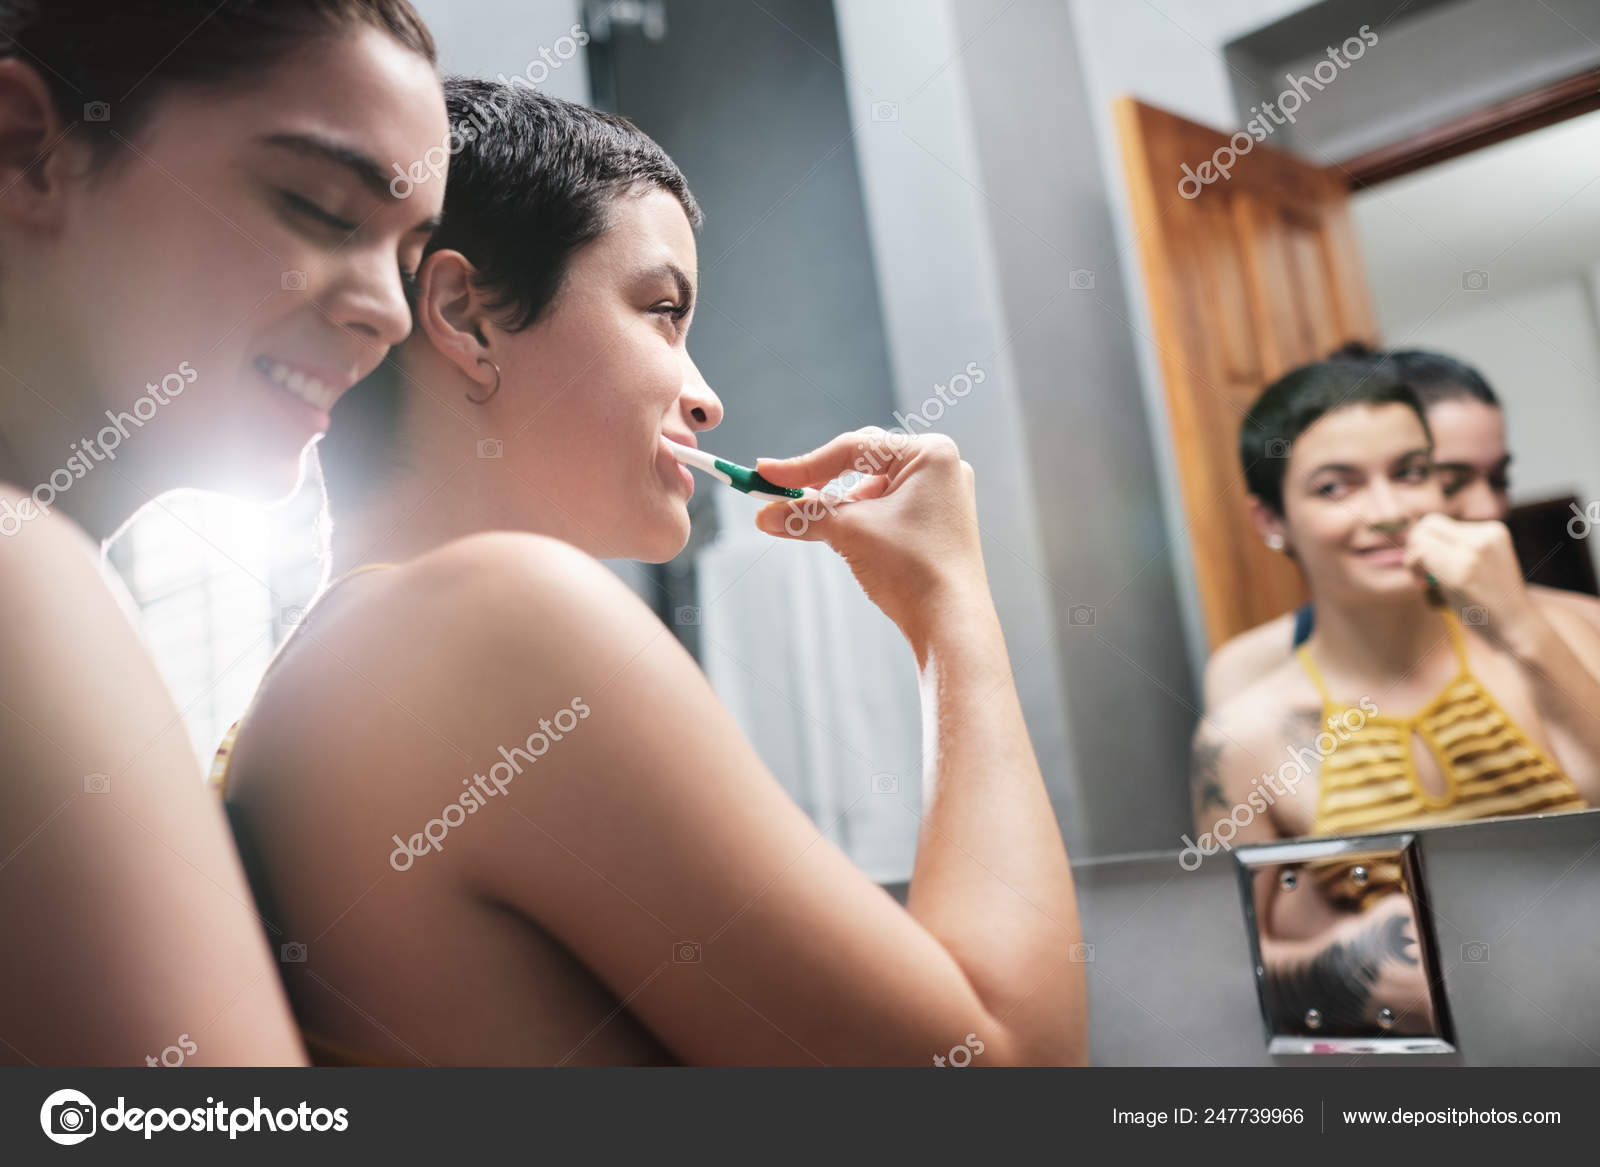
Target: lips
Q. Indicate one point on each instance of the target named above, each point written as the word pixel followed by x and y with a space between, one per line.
pixel 679 470
pixel 1385 554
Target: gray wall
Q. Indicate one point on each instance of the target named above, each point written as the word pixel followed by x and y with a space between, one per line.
pixel 1432 62
pixel 893 197
pixel 748 103
pixel 1127 675
pixel 1170 981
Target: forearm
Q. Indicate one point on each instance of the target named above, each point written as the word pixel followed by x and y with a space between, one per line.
pixel 1567 693
pixel 991 879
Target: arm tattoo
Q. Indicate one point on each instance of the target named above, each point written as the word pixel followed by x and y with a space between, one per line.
pixel 1338 981
pixel 1205 776
pixel 1300 728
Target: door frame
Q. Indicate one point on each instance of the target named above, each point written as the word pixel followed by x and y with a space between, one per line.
pixel 1568 97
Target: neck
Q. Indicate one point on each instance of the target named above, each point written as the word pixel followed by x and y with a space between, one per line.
pixel 407 516
pixel 1366 637
pixel 49 451
pixel 435 489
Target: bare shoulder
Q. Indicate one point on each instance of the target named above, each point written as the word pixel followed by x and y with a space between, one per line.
pixel 413 668
pixel 64 627
pixel 1242 741
pixel 35 554
pixel 1248 657
pixel 499 600
pixel 1249 728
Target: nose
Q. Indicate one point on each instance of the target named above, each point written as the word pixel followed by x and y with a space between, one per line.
pixel 701 407
pixel 369 301
pixel 1384 507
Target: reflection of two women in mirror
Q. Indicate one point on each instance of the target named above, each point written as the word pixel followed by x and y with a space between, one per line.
pixel 1424 683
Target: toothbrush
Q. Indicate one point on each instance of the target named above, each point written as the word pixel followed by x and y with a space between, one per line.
pixel 737 476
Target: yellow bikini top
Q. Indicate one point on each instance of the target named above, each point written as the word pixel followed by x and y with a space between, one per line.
pixel 1490 766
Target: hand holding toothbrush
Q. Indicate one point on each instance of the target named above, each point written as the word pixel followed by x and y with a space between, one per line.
pixel 908 529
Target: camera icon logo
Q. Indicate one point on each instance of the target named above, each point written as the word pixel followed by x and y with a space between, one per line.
pixel 885 111
pixel 1475 614
pixel 97 783
pixel 686 952
pixel 67 1117
pixel 1474 280
pixel 293 952
pixel 294 614
pixel 1475 952
pixel 688 614
pixel 491 448
pixel 1081 615
pixel 1277 448
pixel 294 281
pixel 1082 954
pixel 885 784
pixel 1080 279
pixel 96 111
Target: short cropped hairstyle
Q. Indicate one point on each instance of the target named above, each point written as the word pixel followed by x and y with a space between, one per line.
pixel 532 179
pixel 1294 402
pixel 1435 376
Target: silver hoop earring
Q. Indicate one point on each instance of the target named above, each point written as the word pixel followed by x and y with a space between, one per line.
pixel 1275 541
pixel 493 391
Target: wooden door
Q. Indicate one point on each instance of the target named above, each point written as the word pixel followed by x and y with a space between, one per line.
pixel 1254 274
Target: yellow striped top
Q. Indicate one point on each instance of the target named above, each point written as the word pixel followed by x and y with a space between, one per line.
pixel 1489 765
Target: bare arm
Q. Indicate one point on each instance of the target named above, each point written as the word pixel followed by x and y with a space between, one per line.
pixel 1560 653
pixel 123 905
pixel 991 881
pixel 1229 750
pixel 1347 972
pixel 655 832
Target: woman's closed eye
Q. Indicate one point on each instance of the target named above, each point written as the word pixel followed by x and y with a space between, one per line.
pixel 308 209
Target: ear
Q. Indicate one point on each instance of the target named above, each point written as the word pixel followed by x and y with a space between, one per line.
pixel 452 313
pixel 34 160
pixel 1268 522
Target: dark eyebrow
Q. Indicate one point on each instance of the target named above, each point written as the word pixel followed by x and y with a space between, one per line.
pixel 1346 468
pixel 1335 467
pixel 361 165
pixel 677 275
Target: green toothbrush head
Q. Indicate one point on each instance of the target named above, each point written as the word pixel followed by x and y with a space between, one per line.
pixel 745 479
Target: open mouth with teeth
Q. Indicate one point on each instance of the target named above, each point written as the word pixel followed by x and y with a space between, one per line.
pixel 308 388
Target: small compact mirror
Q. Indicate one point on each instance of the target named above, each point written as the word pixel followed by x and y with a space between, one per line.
pixel 1342 947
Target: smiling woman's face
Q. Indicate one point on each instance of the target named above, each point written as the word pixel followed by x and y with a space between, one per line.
pixel 593 387
pixel 250 235
pixel 1356 480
